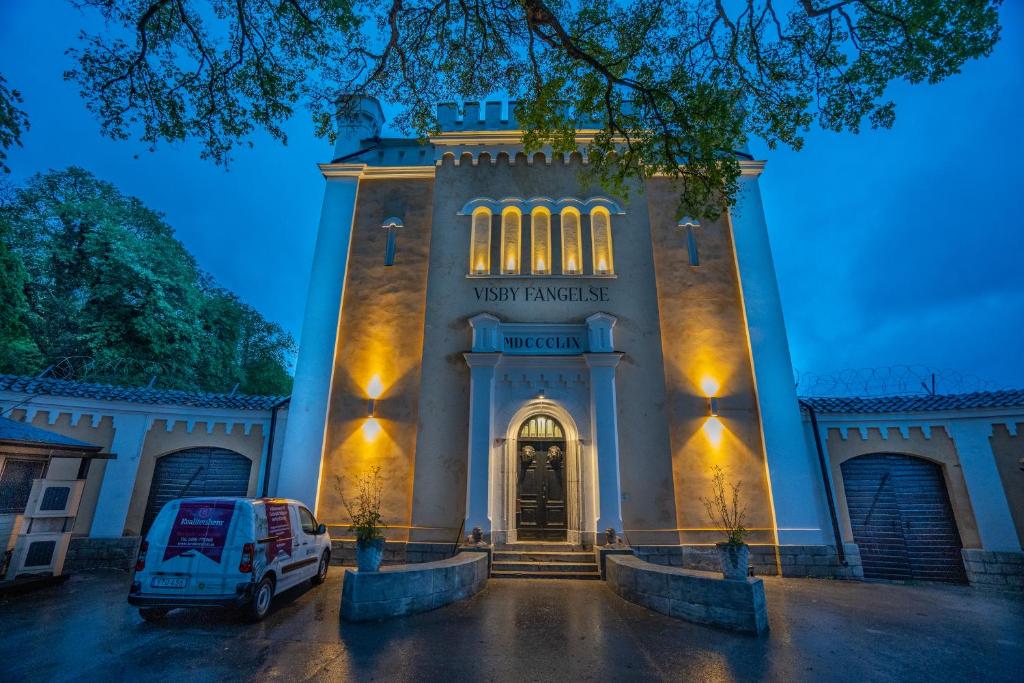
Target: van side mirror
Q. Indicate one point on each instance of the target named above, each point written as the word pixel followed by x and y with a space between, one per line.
pixel 322 529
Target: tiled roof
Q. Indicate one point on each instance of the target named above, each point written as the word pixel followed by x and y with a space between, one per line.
pixel 12 430
pixel 152 396
pixel 1009 398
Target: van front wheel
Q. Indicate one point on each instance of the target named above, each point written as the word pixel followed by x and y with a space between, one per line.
pixel 260 605
pixel 321 571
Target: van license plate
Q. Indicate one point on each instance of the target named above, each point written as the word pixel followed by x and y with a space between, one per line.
pixel 169 581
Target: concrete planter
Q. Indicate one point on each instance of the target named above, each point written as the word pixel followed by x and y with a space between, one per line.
pixel 369 555
pixel 735 559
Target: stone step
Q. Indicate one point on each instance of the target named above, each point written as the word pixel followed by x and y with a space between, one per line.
pixel 586 576
pixel 545 567
pixel 537 546
pixel 543 556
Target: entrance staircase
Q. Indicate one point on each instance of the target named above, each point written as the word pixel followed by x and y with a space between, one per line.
pixel 543 561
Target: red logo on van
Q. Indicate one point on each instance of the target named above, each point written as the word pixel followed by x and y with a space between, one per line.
pixel 279 526
pixel 202 527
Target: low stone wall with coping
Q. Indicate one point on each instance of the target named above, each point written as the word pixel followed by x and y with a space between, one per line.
pixel 343 552
pixel 401 590
pixel 999 571
pixel 102 553
pixel 700 597
pixel 799 561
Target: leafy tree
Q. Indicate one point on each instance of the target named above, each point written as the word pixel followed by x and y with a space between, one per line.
pixel 13 121
pixel 18 351
pixel 674 86
pixel 109 289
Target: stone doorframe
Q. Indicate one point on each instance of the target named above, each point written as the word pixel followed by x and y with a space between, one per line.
pixel 580 479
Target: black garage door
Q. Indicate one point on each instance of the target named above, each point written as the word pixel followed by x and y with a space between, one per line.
pixel 901 518
pixel 196 472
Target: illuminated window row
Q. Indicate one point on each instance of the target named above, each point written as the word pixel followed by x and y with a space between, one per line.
pixel 540 260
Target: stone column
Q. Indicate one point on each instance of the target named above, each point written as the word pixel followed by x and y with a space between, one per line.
pixel 605 425
pixel 307 418
pixel 984 485
pixel 796 487
pixel 119 476
pixel 481 399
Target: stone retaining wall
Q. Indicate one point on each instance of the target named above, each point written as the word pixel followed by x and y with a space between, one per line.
pixel 999 571
pixel 802 561
pixel 343 552
pixel 700 597
pixel 407 589
pixel 102 553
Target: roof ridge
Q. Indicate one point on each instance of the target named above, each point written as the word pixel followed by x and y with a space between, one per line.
pixel 137 394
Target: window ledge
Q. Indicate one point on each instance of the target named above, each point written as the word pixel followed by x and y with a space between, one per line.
pixel 528 276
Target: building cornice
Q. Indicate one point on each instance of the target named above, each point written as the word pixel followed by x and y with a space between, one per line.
pixel 367 172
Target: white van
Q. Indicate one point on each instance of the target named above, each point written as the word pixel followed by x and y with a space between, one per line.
pixel 227 552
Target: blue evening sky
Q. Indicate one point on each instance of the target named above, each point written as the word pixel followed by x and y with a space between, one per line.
pixel 898 247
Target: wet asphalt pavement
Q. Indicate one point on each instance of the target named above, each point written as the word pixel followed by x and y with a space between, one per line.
pixel 524 630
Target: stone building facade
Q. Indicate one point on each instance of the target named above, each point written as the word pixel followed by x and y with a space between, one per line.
pixel 522 352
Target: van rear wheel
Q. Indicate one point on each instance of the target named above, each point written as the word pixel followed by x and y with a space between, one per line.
pixel 153 613
pixel 321 571
pixel 260 605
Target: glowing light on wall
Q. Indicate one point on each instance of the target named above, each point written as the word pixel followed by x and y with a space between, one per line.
pixel 709 385
pixel 371 429
pixel 714 430
pixel 375 388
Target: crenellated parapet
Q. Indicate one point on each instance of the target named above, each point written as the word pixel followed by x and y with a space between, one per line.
pixel 491 116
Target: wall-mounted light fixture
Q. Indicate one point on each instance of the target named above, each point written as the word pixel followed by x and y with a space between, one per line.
pixel 372 428
pixel 713 427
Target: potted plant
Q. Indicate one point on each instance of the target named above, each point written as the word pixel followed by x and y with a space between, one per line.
pixel 725 512
pixel 364 511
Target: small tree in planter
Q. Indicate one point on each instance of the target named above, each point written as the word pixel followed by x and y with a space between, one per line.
pixel 364 511
pixel 725 511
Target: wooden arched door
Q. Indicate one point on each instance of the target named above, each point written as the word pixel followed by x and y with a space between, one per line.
pixel 540 480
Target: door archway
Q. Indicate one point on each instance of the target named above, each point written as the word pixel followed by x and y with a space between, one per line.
pixel 577 473
pixel 541 491
pixel 194 472
pixel 902 519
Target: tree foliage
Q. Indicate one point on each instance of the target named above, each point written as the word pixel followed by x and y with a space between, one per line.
pixel 675 86
pixel 100 285
pixel 13 121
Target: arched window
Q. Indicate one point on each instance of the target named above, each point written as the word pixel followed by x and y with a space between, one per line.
pixel 601 235
pixel 480 243
pixel 572 251
pixel 540 222
pixel 541 427
pixel 511 234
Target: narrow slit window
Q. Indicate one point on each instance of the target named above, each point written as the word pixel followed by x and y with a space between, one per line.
pixel 691 246
pixel 391 226
pixel 511 233
pixel 572 252
pixel 601 235
pixel 480 243
pixel 540 221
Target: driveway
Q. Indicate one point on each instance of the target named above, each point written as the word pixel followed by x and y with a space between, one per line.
pixel 519 630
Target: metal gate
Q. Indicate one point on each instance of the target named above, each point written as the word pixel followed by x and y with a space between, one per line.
pixel 196 472
pixel 901 518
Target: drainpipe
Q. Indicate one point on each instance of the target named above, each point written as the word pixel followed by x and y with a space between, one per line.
pixel 840 551
pixel 270 442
